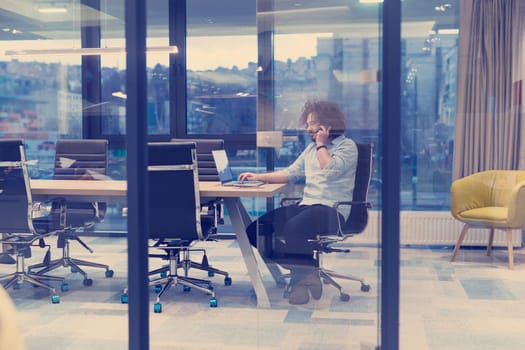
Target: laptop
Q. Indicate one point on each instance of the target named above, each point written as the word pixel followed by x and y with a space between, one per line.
pixel 225 172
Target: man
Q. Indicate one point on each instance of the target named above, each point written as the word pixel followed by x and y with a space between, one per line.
pixel 328 165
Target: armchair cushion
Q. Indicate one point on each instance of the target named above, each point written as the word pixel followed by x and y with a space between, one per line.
pixel 486 214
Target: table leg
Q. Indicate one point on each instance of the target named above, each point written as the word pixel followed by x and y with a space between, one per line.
pixel 240 220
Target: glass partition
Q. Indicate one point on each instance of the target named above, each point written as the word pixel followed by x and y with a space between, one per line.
pixel 250 67
pixel 51 68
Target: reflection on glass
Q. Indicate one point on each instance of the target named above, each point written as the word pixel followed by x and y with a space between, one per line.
pixel 222 85
pixel 41 101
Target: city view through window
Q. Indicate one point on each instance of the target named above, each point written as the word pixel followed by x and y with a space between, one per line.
pixel 42 102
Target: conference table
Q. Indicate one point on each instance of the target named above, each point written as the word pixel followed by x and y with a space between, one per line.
pixel 116 190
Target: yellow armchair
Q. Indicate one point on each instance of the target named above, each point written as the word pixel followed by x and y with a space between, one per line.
pixel 494 199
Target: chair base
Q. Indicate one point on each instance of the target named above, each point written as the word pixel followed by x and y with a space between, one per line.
pixel 38 280
pixel 328 277
pixel 211 270
pixel 169 278
pixel 32 278
pixel 189 282
pixel 67 261
pixel 187 264
pixel 163 284
pixel 72 263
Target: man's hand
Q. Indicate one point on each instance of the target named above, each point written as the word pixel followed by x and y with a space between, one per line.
pixel 322 135
pixel 249 176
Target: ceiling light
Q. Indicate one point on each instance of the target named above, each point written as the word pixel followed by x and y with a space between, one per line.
pixel 87 51
pixel 450 31
pixel 119 94
pixel 300 11
pixel 442 8
pixel 52 9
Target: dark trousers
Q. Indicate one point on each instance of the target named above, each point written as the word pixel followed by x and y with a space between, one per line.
pixel 291 227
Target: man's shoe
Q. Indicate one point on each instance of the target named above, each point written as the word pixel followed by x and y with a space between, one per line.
pixel 298 295
pixel 6 259
pixel 313 282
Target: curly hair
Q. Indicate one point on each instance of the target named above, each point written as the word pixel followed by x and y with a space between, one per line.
pixel 328 113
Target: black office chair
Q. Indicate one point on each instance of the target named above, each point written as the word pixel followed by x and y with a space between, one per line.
pixel 354 224
pixel 78 160
pixel 174 215
pixel 211 208
pixel 17 210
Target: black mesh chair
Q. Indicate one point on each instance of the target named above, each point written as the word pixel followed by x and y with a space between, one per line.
pixel 174 215
pixel 17 211
pixel 78 160
pixel 211 208
pixel 355 224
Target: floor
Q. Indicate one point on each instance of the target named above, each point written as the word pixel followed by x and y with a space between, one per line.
pixel 474 303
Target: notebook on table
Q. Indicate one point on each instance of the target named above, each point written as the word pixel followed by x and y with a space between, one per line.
pixel 225 172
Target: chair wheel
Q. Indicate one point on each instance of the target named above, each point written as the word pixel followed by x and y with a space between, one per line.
pixel 344 297
pixel 55 299
pixel 124 298
pixel 163 274
pixel 213 302
pixel 64 287
pixel 87 282
pixel 227 281
pixel 157 308
pixel 73 269
pixel 17 286
pixel 211 273
pixel 186 288
pixel 365 287
pixel 157 288
pixel 109 273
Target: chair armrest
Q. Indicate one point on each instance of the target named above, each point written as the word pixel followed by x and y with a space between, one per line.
pixel 289 200
pixel 516 206
pixel 470 192
pixel 368 205
pixel 100 210
pixel 50 215
pixel 59 208
pixel 212 214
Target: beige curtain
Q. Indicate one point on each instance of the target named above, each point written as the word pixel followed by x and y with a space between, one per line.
pixel 489 125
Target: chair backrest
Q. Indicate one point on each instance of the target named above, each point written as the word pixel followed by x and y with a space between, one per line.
pixel 80 159
pixel 213 217
pixel 174 206
pixel 207 168
pixel 358 218
pixel 15 191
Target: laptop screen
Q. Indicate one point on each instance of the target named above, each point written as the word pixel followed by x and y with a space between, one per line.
pixel 223 165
